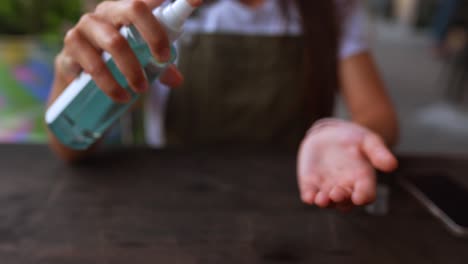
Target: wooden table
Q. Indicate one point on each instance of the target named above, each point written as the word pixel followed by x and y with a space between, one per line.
pixel 146 206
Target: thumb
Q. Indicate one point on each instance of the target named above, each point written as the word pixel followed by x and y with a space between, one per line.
pixel 378 153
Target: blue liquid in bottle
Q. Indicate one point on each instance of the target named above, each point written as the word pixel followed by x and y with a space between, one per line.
pixel 80 121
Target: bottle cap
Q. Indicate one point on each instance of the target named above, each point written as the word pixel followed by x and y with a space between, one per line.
pixel 173 17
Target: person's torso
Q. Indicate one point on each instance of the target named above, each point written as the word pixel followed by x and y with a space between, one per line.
pixel 244 78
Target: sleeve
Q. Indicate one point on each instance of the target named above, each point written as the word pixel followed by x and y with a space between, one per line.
pixel 355 33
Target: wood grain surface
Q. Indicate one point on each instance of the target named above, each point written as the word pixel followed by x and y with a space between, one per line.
pixel 213 206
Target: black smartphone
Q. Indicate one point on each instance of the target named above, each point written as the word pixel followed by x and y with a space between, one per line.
pixel 446 198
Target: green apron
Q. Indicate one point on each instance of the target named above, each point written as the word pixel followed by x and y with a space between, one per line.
pixel 239 90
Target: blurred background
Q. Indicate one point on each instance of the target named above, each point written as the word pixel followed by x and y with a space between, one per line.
pixel 422 50
pixel 421 47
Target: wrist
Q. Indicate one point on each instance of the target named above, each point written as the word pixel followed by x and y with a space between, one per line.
pixel 323 123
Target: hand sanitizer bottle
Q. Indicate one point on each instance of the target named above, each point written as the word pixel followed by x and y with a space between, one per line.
pixel 82 113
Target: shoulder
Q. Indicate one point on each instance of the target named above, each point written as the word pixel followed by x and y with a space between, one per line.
pixel 354 26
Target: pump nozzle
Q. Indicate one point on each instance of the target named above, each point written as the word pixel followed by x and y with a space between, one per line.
pixel 173 16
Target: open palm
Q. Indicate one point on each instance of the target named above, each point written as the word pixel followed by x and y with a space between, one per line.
pixel 336 166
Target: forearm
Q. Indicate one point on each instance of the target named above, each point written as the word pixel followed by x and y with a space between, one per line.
pixel 366 97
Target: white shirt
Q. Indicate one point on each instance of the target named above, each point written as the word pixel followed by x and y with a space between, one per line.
pixel 231 16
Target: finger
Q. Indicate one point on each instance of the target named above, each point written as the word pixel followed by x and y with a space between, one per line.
pixel 172 77
pixel 339 194
pixel 378 154
pixel 364 191
pixel 91 61
pixel 322 200
pixel 308 194
pixel 66 66
pixel 104 36
pixel 308 187
pixel 155 3
pixel 195 3
pixel 139 14
pixel 308 197
pixel 152 4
